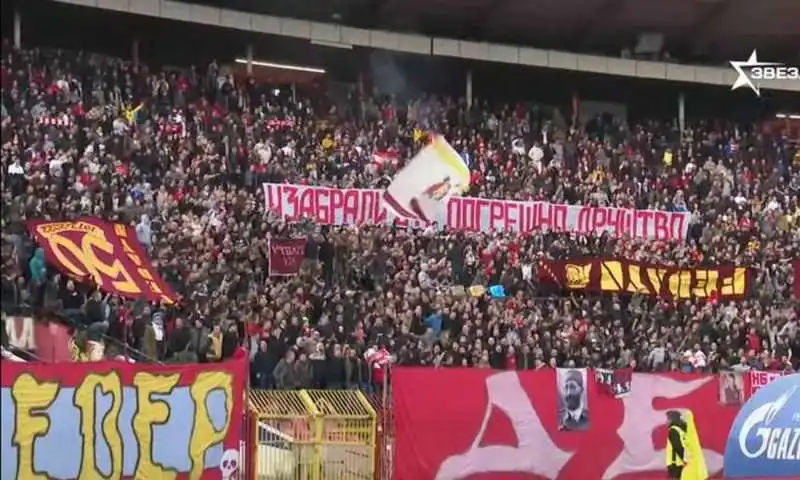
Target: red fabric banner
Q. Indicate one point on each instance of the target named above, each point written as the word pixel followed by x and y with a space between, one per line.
pixel 796 266
pixel 465 423
pixel 49 340
pixel 108 255
pixel 144 421
pixel 757 379
pixel 616 276
pixel 286 256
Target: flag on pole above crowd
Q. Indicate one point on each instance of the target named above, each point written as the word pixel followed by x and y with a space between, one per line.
pixel 424 185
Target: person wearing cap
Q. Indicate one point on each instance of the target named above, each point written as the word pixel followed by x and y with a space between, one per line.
pixel 676 444
pixel 574 414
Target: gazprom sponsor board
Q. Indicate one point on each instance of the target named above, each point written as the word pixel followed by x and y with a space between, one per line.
pixel 765 438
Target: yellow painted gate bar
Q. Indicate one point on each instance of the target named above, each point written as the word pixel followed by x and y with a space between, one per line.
pixel 312 435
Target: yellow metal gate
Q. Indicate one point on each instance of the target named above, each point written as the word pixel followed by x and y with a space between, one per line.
pixel 312 435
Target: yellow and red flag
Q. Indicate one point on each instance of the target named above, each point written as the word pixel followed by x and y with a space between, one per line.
pixel 90 249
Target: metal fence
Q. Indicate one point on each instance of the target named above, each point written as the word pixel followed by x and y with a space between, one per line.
pixel 311 435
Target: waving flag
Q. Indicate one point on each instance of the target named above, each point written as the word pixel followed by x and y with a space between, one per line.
pixel 109 255
pixel 424 186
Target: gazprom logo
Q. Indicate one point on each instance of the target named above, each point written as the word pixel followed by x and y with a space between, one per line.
pixel 775 443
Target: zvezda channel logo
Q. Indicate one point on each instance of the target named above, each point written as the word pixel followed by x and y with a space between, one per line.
pixel 755 74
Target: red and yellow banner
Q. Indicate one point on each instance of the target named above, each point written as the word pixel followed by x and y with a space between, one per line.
pixel 107 254
pixel 620 276
pixel 115 420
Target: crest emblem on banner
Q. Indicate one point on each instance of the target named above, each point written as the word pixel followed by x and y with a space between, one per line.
pixel 578 275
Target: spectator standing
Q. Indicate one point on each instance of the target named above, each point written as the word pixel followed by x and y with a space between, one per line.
pixel 215 347
pixel 285 373
pixel 356 371
pixel 94 315
pixel 149 341
pixel 305 374
pixel 318 360
pixel 230 340
pixel 38 269
pixel 264 363
pixel 334 368
pixel 143 232
pixel 180 338
pixel 72 300
pixel 200 341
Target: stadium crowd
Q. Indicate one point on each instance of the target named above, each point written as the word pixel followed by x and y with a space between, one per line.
pixel 186 169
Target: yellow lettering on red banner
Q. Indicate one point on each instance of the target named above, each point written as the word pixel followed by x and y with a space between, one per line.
pixel 149 413
pixel 619 275
pixel 636 284
pixel 145 274
pixel 679 284
pixel 84 399
pixel 120 278
pixel 30 399
pixel 736 284
pixel 204 434
pixel 611 276
pixel 57 242
pixel 706 282
pixel 113 271
pixel 656 277
pixel 126 246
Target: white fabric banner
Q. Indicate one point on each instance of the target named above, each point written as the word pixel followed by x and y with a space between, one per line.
pixel 420 190
pixel 344 206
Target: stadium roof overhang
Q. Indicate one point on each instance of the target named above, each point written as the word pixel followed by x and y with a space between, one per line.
pixel 714 29
pixel 166 37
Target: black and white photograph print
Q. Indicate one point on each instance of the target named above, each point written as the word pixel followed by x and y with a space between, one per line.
pixel 731 388
pixel 573 405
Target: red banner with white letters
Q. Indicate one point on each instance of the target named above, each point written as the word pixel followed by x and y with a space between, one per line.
pixel 501 426
pixel 286 255
pixel 344 206
pixel 757 379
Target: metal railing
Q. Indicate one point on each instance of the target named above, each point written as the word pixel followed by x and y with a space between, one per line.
pixel 311 435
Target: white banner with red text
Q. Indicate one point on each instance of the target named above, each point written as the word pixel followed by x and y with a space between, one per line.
pixel 345 206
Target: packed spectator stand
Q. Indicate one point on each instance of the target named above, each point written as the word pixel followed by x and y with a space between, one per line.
pixel 182 156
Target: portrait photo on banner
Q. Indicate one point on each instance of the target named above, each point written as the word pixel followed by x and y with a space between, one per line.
pixel 731 388
pixel 421 190
pixel 573 404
